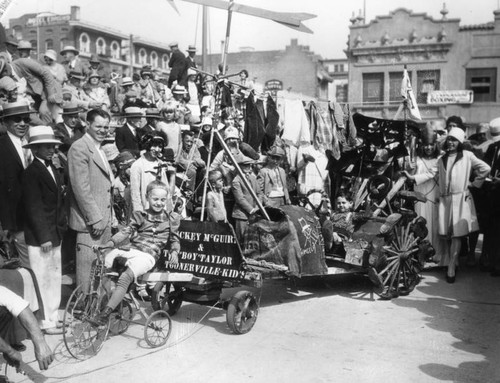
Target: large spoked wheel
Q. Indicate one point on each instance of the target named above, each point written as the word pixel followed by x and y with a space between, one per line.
pixel 82 339
pixel 120 318
pixel 157 328
pixel 164 299
pixel 242 312
pixel 400 273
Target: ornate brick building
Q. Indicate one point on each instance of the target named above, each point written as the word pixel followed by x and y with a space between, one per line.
pixel 51 31
pixel 453 68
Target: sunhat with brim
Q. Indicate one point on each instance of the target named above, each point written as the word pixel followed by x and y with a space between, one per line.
pixel 133 111
pixel 51 54
pixel 276 151
pixel 126 81
pixel 71 109
pixel 179 89
pixel 93 59
pixel 77 75
pixel 69 48
pixel 207 121
pixel 15 109
pixel 12 41
pixel 41 134
pixel 231 133
pixel 23 44
pixel 94 74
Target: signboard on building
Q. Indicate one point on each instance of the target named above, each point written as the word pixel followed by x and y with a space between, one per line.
pixel 47 20
pixel 273 86
pixel 450 97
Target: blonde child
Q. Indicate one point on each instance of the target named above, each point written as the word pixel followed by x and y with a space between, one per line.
pixel 215 197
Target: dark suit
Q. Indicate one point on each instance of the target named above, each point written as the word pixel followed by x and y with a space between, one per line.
pixel 11 170
pixel 46 218
pixel 190 62
pixel 178 65
pixel 126 141
pixel 62 135
pixel 244 202
pixel 491 209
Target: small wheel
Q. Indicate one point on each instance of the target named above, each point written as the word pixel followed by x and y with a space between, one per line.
pixel 157 328
pixel 400 272
pixel 82 339
pixel 242 312
pixel 164 299
pixel 121 317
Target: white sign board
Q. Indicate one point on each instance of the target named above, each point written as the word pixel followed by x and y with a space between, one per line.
pixel 450 97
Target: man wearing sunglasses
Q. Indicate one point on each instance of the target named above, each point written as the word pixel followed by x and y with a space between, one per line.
pixel 15 117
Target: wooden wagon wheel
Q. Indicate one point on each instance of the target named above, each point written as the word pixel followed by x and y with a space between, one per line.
pixel 400 273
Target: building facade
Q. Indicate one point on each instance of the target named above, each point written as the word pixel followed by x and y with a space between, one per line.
pixel 113 48
pixel 338 71
pixel 453 68
pixel 296 68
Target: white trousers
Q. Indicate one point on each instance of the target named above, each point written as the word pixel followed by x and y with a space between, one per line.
pixel 47 269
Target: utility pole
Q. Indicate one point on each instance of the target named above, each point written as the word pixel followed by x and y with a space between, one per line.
pixel 131 55
pixel 204 33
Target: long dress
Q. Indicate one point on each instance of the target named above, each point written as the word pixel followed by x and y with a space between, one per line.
pixel 426 182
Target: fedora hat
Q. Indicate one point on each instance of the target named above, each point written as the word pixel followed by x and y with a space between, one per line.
pixel 11 41
pixel 69 48
pixel 126 81
pixel 71 108
pixel 153 113
pixel 191 48
pixel 23 44
pixel 244 160
pixel 15 109
pixel 93 59
pixel 179 89
pixel 41 134
pixel 133 111
pixel 51 54
pixel 495 126
pixel 76 74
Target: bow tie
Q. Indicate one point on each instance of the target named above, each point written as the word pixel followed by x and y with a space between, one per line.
pixel 48 163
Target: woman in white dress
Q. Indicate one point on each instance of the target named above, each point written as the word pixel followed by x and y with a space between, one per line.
pixel 424 175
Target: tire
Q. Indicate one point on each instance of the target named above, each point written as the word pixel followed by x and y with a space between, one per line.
pixel 82 339
pixel 164 299
pixel 121 317
pixel 157 328
pixel 242 312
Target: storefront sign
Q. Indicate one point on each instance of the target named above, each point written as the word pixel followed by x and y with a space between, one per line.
pixel 208 250
pixel 273 86
pixel 47 20
pixel 450 97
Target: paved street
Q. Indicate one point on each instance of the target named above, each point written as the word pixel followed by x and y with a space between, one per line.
pixel 336 331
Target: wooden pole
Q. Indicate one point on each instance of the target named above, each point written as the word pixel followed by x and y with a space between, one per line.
pixel 228 34
pixel 204 33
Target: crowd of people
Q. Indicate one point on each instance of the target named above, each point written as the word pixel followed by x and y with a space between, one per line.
pixel 93 158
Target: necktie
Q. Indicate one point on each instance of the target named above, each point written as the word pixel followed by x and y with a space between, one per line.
pixel 26 154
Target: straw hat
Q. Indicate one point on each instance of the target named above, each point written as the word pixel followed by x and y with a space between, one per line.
pixel 15 109
pixel 127 81
pixel 71 108
pixel 133 111
pixel 23 44
pixel 41 135
pixel 191 48
pixel 69 48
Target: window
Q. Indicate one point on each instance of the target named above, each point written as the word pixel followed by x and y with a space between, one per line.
pixel 483 82
pixel 164 59
pixel 34 45
pixel 100 46
pixel 84 43
pixel 115 50
pixel 63 43
pixel 395 79
pixel 49 44
pixel 373 87
pixel 427 81
pixel 49 31
pixel 142 56
pixel 341 93
pixel 18 32
pixel 154 59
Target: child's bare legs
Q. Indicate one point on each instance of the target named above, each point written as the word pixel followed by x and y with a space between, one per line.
pixel 454 250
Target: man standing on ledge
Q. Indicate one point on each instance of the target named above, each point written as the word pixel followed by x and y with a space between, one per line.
pixel 90 193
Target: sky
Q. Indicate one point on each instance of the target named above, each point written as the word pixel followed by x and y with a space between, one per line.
pixel 156 20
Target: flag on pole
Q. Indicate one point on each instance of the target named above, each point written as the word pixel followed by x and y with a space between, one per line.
pixel 409 96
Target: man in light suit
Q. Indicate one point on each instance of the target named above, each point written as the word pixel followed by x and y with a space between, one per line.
pixel 272 179
pixel 90 192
